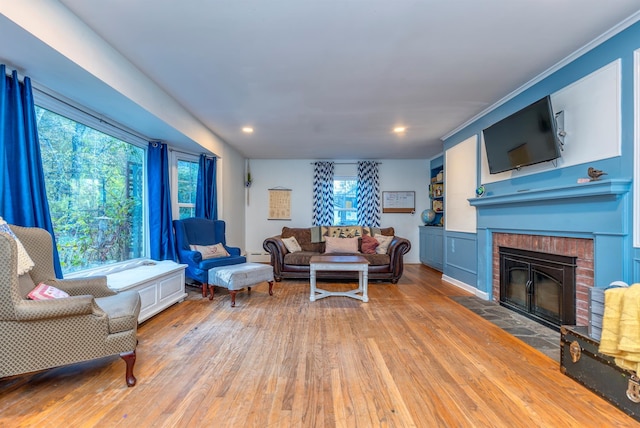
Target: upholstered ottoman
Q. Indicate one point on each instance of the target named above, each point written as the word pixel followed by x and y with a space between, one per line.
pixel 237 277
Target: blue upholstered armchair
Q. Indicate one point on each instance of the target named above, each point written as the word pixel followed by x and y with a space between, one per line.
pixel 201 231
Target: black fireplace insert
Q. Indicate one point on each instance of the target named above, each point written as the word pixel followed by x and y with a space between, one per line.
pixel 538 285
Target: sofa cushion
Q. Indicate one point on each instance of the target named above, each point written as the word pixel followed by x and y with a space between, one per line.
pixel 303 236
pixel 303 258
pixel 300 258
pixel 340 245
pixel 210 251
pixel 384 242
pixel 291 244
pixel 369 244
pixel 43 291
pixel 345 231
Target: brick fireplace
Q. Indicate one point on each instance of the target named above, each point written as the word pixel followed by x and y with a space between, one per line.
pixel 581 248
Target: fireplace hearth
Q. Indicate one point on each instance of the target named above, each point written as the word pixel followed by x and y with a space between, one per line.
pixel 541 286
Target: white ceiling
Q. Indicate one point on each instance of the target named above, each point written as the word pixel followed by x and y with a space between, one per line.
pixel 325 79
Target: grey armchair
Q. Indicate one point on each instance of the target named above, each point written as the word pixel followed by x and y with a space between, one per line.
pixel 93 322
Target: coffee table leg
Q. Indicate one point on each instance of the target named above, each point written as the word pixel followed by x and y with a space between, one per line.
pixel 312 281
pixel 365 285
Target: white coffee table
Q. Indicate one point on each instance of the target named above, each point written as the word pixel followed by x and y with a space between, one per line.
pixel 340 263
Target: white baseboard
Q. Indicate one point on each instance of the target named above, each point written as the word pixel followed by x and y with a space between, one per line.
pixel 481 294
pixel 258 257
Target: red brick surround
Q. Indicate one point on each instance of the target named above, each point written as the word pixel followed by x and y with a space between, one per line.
pixel 573 247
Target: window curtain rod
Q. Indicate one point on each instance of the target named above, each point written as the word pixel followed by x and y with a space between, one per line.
pixel 342 163
pixel 193 154
pixel 93 115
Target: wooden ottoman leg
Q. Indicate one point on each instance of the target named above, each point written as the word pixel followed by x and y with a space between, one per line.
pixel 233 297
pixel 204 289
pixel 211 292
pixel 270 288
pixel 249 290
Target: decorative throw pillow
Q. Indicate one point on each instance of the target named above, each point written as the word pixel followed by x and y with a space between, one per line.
pixel 369 244
pixel 384 242
pixel 45 292
pixel 210 251
pixel 292 244
pixel 340 245
pixel 345 231
pixel 25 264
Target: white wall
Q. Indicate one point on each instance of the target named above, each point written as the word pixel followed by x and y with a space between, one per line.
pixel 297 175
pixel 231 202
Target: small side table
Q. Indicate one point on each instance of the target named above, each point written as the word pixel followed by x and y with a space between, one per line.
pixel 340 263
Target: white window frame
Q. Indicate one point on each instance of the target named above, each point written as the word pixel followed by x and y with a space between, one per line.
pixel 175 157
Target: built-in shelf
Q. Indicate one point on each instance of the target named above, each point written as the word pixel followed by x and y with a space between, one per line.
pixel 611 187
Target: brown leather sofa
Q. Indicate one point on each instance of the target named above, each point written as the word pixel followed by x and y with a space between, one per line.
pixel 382 267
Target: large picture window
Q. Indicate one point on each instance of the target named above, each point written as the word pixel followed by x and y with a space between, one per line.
pixel 95 189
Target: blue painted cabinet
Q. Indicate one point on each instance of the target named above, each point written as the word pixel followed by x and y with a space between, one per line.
pixel 431 246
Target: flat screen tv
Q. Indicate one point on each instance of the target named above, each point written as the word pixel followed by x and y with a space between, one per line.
pixel 524 138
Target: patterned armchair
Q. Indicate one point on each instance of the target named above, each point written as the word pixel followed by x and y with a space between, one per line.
pixel 203 232
pixel 93 322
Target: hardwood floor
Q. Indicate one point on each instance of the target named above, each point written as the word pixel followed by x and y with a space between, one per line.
pixel 409 357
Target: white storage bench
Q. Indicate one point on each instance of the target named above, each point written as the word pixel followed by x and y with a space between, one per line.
pixel 159 283
pixel 237 277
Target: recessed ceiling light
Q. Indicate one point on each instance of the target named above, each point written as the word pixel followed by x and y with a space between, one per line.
pixel 247 130
pixel 399 129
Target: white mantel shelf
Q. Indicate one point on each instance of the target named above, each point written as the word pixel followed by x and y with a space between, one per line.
pixel 612 187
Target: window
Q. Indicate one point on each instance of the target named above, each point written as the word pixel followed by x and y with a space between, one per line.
pixel 345 205
pixel 95 189
pixel 187 181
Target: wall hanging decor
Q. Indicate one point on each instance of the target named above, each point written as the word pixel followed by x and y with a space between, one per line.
pixel 279 204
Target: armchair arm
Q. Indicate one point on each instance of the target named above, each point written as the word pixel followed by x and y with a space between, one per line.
pixel 276 248
pixel 32 310
pixel 233 251
pixel 191 258
pixel 94 285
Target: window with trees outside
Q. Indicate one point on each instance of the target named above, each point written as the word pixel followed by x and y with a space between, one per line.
pixel 187 181
pixel 345 208
pixel 96 193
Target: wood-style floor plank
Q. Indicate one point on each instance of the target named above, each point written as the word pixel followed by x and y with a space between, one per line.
pixel 410 357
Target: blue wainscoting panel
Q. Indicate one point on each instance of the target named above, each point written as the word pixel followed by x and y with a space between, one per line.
pixel 461 257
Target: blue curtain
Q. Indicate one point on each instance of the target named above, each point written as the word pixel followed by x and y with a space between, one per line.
pixel 322 194
pixel 161 237
pixel 23 197
pixel 368 194
pixel 206 192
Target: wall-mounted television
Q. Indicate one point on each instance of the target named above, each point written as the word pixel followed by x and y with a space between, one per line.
pixel 526 137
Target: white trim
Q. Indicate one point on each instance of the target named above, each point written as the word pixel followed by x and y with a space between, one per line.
pixel 466 287
pixel 636 147
pixel 63 106
pixel 548 72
